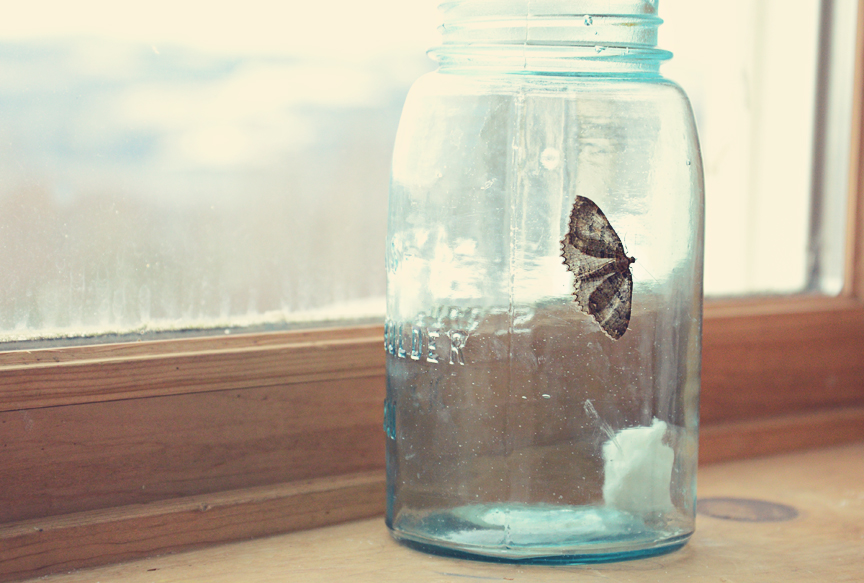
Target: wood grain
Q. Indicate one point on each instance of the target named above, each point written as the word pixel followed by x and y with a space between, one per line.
pixel 56 543
pixel 90 374
pixel 42 546
pixel 73 458
pixel 776 364
pixel 212 341
pixel 761 437
pixel 823 544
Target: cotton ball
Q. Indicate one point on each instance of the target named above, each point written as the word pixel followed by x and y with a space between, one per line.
pixel 638 468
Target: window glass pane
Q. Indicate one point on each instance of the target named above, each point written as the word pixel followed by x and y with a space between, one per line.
pixel 175 165
pixel 774 130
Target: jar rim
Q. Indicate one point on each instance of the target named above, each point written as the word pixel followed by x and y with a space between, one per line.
pixel 541 30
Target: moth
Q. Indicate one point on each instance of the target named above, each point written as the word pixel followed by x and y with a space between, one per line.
pixel 603 282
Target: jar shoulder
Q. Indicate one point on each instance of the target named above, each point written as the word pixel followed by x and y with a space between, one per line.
pixel 443 84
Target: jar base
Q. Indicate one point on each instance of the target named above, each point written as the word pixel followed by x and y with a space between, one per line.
pixel 537 534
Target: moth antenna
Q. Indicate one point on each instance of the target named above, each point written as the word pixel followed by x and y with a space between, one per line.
pixel 642 265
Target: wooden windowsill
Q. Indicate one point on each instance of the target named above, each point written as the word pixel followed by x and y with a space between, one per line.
pixel 824 542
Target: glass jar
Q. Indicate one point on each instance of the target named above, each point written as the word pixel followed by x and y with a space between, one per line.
pixel 544 289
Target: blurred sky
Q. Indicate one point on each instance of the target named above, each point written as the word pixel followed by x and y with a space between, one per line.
pixel 346 30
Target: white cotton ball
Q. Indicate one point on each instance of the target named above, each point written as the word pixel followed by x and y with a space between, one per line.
pixel 638 468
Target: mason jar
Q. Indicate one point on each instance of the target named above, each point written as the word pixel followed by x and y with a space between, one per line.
pixel 544 289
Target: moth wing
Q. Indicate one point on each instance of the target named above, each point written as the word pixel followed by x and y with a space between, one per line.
pixel 583 289
pixel 610 303
pixel 583 265
pixel 591 232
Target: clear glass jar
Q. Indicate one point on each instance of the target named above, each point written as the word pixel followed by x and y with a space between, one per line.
pixel 526 418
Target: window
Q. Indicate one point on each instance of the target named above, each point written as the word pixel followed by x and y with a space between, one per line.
pixel 215 170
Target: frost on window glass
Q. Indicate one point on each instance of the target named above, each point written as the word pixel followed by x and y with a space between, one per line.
pixel 174 166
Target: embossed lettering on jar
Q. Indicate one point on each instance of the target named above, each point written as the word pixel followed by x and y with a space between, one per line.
pixel 544 289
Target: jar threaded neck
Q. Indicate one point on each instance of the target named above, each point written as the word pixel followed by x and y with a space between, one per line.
pixel 556 36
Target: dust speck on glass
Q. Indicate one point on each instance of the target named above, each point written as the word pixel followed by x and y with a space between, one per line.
pixel 541 410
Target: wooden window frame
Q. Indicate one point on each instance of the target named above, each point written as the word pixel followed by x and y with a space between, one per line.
pixel 118 451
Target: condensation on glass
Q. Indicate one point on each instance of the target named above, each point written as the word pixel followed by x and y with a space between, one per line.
pixel 517 429
pixel 206 171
